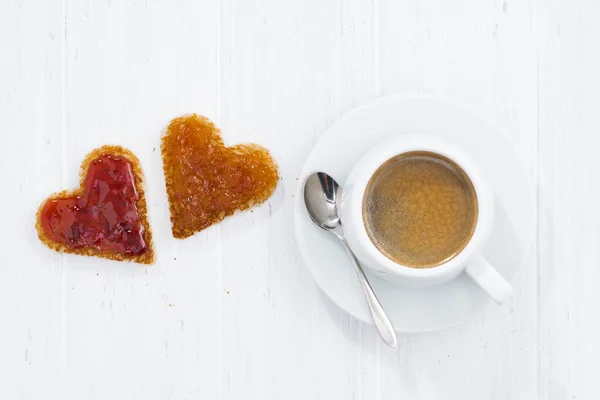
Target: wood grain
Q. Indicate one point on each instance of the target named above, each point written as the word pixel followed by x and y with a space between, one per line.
pixel 141 332
pixel 569 197
pixel 231 313
pixel 485 55
pixel 32 349
pixel 289 71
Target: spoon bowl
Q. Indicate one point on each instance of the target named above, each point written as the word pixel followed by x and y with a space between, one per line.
pixel 321 194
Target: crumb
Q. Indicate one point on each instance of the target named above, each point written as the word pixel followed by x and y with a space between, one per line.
pixel 154 149
pixel 174 258
pixel 171 305
pixel 97 274
pixel 296 178
pixel 227 291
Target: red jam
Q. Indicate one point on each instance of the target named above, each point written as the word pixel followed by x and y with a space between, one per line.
pixel 104 216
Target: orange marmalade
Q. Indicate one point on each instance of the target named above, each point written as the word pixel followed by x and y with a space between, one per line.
pixel 207 181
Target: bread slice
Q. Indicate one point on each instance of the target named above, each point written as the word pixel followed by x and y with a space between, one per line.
pixel 147 257
pixel 207 181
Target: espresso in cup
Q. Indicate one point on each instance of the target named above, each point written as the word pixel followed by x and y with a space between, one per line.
pixel 420 209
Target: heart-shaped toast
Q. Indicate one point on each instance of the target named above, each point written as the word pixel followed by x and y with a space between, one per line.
pixel 104 217
pixel 207 181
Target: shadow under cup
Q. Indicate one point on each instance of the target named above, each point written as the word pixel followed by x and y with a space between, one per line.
pixel 420 209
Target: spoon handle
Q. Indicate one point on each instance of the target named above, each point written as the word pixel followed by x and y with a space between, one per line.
pixel 382 322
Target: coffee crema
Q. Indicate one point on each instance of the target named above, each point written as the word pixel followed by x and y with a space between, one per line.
pixel 420 209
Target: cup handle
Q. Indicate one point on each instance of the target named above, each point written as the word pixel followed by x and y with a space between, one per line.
pixel 489 280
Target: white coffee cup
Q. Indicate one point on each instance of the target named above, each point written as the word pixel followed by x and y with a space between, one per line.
pixel 469 260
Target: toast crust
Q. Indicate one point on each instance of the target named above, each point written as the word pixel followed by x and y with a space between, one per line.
pixel 146 257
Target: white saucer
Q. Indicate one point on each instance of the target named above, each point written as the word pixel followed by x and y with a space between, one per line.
pixel 418 310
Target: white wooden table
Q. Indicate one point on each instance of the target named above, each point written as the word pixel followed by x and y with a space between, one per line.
pixel 231 313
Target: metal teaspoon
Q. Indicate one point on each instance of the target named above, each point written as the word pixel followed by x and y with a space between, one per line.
pixel 321 197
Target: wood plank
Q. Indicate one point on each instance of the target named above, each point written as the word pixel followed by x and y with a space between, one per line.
pixel 290 69
pixel 483 54
pixel 569 196
pixel 138 332
pixel 30 170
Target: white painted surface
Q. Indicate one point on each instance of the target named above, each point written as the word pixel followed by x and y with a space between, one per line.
pixel 231 313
